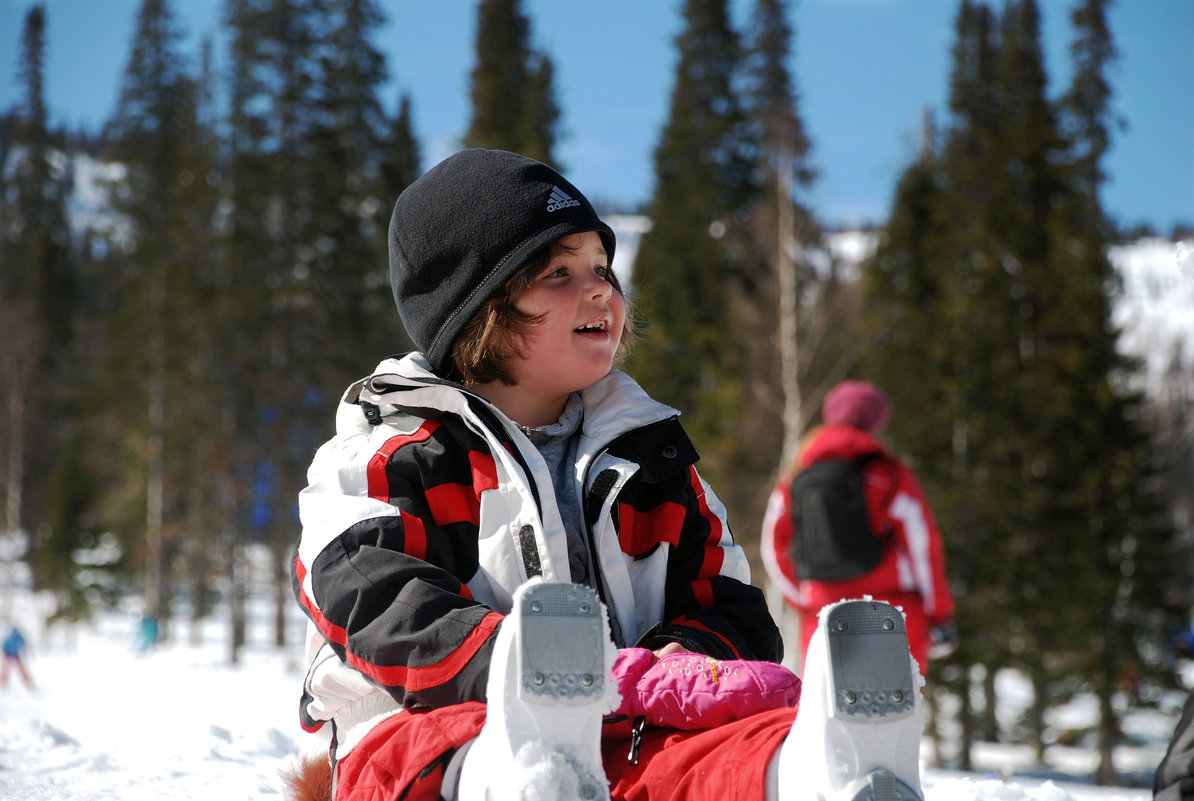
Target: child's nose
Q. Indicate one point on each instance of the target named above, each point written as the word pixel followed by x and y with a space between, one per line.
pixel 601 288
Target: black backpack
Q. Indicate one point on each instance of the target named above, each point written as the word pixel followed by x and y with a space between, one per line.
pixel 832 537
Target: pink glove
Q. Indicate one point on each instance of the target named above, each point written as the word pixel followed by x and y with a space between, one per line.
pixel 694 691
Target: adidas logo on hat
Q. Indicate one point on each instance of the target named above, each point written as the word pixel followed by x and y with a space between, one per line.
pixel 560 200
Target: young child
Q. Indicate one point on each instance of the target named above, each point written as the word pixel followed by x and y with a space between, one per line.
pixel 504 514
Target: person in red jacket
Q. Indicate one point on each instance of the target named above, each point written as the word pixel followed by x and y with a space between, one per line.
pixel 910 569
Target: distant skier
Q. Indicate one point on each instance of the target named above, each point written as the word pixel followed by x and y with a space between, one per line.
pixel 848 520
pixel 14 650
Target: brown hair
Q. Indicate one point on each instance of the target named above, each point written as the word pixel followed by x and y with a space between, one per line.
pixel 494 335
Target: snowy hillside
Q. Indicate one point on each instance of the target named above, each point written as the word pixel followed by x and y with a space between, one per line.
pixel 1154 309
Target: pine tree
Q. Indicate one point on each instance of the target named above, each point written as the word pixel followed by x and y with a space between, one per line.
pixel 993 271
pixel 280 113
pixel 39 303
pixel 312 148
pixel 915 325
pixel 343 322
pixel 242 280
pixel 1028 187
pixel 154 136
pixel 404 159
pixel 774 102
pixel 36 236
pixel 921 289
pixel 981 432
pixel 1119 495
pixel 689 275
pixel 907 309
pixel 783 227
pixel 512 86
pixel 197 563
pixel 790 306
pixel 1086 115
pixel 541 112
pixel 351 148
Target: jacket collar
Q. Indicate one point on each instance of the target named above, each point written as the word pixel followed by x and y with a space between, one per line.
pixel 612 406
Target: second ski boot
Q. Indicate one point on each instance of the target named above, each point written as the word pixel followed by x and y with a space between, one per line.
pixel 857 731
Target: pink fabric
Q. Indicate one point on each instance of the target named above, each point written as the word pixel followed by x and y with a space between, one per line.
pixel 694 691
pixel 857 403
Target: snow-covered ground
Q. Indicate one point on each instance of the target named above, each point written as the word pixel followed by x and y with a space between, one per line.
pixel 108 722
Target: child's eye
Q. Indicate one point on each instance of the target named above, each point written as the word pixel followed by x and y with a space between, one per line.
pixel 604 271
pixel 553 272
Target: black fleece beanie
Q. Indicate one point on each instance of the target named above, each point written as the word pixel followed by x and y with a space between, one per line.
pixel 464 228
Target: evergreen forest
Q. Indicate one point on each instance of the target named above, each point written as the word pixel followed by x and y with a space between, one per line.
pixel 168 369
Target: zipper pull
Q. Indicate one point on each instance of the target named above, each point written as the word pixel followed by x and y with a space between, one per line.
pixel 636 739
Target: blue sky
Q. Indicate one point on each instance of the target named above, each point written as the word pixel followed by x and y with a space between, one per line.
pixel 865 70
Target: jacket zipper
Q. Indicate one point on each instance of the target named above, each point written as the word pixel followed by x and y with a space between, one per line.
pixel 598 498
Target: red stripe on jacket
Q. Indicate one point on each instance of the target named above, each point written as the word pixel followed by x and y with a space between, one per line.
pixel 329 629
pixel 448 503
pixel 461 503
pixel 703 590
pixel 379 483
pixel 484 471
pixel 412 679
pixel 684 620
pixel 639 532
pixel 414 536
pixel 714 557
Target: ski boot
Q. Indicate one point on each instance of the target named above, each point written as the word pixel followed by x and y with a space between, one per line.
pixel 547 694
pixel 857 732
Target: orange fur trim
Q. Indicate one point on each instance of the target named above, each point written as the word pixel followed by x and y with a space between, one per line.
pixel 309 780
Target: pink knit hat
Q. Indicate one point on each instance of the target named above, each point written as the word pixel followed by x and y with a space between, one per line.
pixel 857 403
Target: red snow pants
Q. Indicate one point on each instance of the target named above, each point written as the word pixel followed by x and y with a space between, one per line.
pixel 405 756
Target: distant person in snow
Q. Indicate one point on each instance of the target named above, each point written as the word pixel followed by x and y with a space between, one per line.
pixel 848 520
pixel 518 584
pixel 14 648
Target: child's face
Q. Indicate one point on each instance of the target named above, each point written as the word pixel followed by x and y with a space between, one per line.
pixel 582 318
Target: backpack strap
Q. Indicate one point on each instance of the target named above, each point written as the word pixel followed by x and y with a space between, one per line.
pixel 881 458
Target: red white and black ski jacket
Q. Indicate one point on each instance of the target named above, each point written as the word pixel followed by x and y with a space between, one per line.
pixel 430 507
